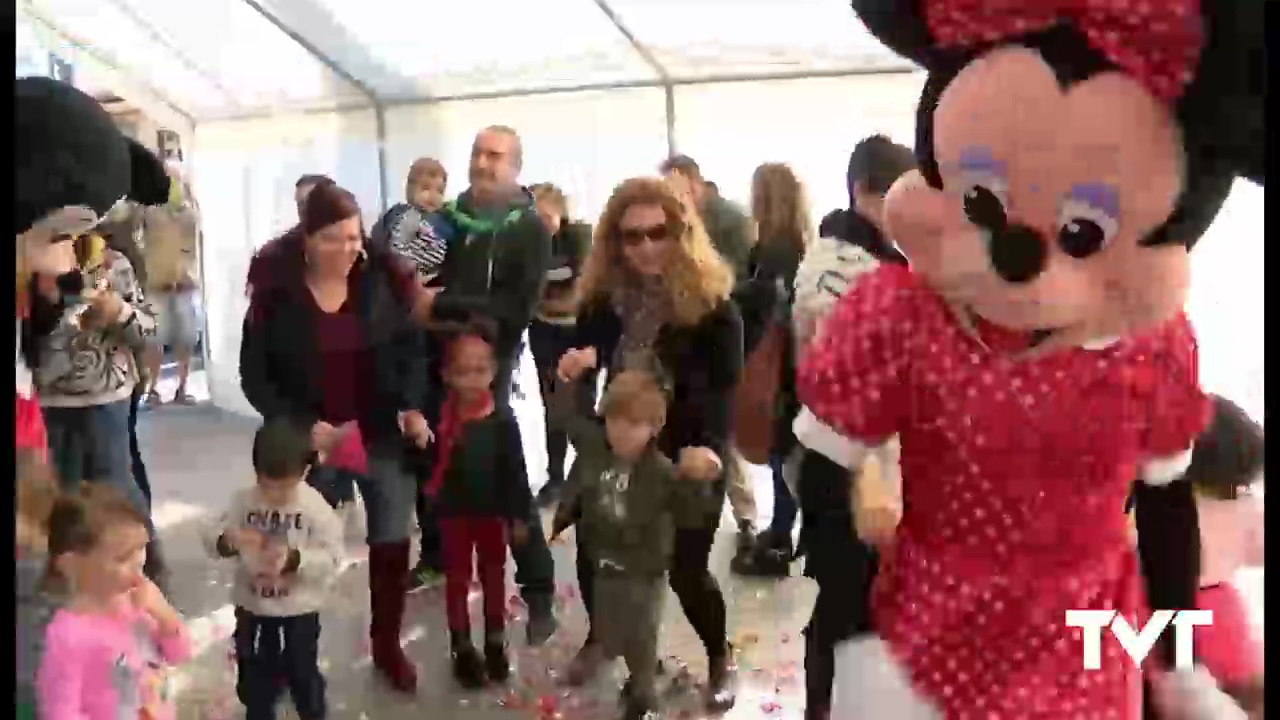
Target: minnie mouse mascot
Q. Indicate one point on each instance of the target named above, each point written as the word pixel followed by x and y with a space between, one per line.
pixel 71 166
pixel 1035 357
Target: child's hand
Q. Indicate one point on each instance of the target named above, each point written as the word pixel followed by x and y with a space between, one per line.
pixel 414 427
pixel 519 533
pixel 699 463
pixel 243 540
pixel 148 598
pixel 272 560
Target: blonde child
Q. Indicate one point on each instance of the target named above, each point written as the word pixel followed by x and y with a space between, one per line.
pixel 108 648
pixel 37 490
pixel 288 542
pixel 631 498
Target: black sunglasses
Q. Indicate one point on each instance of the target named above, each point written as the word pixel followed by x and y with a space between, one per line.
pixel 653 233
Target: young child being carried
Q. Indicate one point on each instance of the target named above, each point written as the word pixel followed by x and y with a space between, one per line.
pixel 288 543
pixel 631 497
pixel 479 490
pixel 108 648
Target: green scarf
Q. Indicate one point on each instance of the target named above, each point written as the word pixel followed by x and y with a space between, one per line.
pixel 478 226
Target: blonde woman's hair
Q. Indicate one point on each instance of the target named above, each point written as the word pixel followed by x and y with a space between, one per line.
pixel 552 195
pixel 779 206
pixel 698 278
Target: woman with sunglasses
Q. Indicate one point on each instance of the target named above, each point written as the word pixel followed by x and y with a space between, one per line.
pixel 654 290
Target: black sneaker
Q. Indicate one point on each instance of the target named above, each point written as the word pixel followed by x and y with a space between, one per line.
pixel 468 668
pixel 722 682
pixel 549 495
pixel 542 623
pixel 496 664
pixel 745 545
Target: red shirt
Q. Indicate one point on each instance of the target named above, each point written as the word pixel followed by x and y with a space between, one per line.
pixel 343 351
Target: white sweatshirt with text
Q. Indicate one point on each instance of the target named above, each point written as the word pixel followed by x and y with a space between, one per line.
pixel 307 525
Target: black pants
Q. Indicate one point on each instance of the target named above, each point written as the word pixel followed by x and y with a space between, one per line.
pixel 843 568
pixel 547 342
pixel 274 653
pixel 690 578
pixel 135 452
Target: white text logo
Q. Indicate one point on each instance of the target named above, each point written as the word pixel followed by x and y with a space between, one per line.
pixel 1137 644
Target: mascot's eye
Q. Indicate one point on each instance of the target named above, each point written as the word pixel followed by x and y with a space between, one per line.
pixel 1083 229
pixel 984 206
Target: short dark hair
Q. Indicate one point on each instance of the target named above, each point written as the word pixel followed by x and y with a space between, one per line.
pixel 876 163
pixel 282 449
pixel 682 164
pixel 313 179
pixel 1230 454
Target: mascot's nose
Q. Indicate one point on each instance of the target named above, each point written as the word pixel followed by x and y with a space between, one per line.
pixel 1018 253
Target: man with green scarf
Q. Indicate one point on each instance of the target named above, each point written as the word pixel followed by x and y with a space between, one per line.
pixel 495 266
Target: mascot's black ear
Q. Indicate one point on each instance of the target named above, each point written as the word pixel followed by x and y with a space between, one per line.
pixel 1223 109
pixel 900 25
pixel 149 183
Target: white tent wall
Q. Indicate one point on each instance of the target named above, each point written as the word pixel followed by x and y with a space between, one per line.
pixel 585 142
pixel 589 141
pixel 243 173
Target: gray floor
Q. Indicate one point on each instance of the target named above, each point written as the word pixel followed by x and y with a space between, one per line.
pixel 195 456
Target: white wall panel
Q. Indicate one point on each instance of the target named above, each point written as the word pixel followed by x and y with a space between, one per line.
pixel 1226 300
pixel 812 125
pixel 584 142
pixel 243 174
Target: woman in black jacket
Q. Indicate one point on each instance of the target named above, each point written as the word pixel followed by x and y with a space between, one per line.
pixel 654 291
pixel 328 340
pixel 781 215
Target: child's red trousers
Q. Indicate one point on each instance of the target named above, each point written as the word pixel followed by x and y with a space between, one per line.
pixel 485 539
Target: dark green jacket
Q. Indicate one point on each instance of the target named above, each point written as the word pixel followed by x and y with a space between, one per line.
pixel 730 231
pixel 654 500
pixel 494 269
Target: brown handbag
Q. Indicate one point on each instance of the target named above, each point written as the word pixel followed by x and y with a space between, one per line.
pixel 755 398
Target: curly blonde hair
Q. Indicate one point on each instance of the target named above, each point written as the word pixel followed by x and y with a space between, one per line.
pixel 779 206
pixel 698 279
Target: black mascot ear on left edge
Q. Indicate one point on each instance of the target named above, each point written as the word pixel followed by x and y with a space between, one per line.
pixel 71 166
pixel 1036 355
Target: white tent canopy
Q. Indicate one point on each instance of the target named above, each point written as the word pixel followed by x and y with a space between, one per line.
pixel 263 91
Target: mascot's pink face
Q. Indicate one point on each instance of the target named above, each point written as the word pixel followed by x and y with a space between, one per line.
pixel 1048 193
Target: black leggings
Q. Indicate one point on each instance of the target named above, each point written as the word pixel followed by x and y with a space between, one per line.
pixel 690 579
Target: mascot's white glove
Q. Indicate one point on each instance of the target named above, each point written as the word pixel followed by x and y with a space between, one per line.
pixel 868 684
pixel 1193 695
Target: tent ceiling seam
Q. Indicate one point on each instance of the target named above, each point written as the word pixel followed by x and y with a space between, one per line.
pixel 106 59
pixel 160 39
pixel 315 52
pixel 641 49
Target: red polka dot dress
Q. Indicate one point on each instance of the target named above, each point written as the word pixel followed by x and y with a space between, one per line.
pixel 1015 474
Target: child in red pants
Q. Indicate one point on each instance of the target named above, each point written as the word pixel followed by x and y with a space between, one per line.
pixel 480 490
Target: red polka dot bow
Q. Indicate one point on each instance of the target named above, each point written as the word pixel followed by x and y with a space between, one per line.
pixel 1156 41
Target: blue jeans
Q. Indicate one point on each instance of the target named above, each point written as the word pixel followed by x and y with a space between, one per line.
pixel 784 505
pixel 91 444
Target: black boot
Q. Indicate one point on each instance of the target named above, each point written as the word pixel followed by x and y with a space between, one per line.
pixel 542 623
pixel 549 494
pixel 468 668
pixel 496 664
pixel 722 681
pixel 744 547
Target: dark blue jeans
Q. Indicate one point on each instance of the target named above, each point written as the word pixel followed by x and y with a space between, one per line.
pixel 91 444
pixel 784 505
